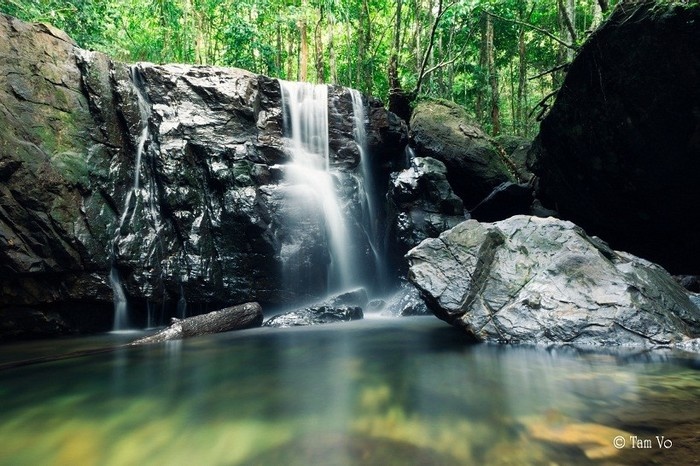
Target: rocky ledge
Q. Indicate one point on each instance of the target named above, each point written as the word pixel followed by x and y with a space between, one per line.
pixel 542 280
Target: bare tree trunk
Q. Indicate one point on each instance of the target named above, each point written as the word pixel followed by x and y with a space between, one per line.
pixel 493 79
pixel 522 76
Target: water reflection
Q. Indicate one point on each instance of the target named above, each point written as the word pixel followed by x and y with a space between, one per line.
pixel 403 391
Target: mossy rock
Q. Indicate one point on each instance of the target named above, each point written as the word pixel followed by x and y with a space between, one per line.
pixel 443 130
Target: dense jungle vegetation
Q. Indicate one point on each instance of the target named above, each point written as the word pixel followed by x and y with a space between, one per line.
pixel 501 59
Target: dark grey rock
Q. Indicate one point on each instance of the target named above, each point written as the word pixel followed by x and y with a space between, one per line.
pixel 357 298
pixel 422 203
pixel 315 316
pixel 517 148
pixel 619 151
pixel 534 280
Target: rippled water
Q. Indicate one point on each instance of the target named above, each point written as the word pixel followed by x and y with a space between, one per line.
pixel 374 392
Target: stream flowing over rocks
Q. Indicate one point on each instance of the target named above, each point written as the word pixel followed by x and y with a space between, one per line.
pixel 163 186
pixel 543 280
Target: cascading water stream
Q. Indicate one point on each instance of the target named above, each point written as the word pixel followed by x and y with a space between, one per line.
pixel 121 311
pixel 306 119
pixel 370 220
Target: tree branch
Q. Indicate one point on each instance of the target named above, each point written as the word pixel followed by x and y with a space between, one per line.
pixel 536 28
pixel 424 63
pixel 551 70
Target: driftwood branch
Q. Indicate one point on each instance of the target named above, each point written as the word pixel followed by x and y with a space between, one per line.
pixel 543 105
pixel 551 70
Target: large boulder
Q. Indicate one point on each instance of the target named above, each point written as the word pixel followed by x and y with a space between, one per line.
pixel 207 219
pixel 542 280
pixel 619 152
pixel 442 130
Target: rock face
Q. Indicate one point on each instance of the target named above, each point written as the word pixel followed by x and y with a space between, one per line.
pixel 534 280
pixel 443 131
pixel 422 203
pixel 619 152
pixel 168 177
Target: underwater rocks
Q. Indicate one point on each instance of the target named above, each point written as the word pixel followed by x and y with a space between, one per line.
pixel 619 151
pixel 239 317
pixel 542 280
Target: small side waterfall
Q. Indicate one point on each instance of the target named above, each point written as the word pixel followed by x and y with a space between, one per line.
pixel 369 209
pixel 121 310
pixel 306 119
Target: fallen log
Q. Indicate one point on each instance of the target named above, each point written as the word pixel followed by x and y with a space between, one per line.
pixel 239 317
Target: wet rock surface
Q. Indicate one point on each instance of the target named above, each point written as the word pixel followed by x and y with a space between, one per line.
pixel 534 280
pixel 422 203
pixel 315 315
pixel 619 152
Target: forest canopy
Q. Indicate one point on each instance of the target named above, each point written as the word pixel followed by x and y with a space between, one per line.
pixel 498 58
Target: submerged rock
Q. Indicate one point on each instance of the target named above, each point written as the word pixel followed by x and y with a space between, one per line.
pixel 315 316
pixel 238 317
pixel 535 280
pixel 619 152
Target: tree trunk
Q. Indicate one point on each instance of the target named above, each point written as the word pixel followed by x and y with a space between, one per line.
pixel 331 50
pixel 480 87
pixel 493 79
pixel 394 82
pixel 318 50
pixel 304 51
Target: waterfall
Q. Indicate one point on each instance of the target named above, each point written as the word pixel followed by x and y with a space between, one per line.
pixel 369 209
pixel 305 108
pixel 121 310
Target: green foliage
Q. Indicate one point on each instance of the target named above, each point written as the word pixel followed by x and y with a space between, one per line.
pixel 348 42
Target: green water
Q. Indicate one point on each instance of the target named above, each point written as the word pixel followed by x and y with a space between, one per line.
pixel 374 392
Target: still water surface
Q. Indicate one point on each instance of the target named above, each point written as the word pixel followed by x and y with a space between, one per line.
pixel 376 392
